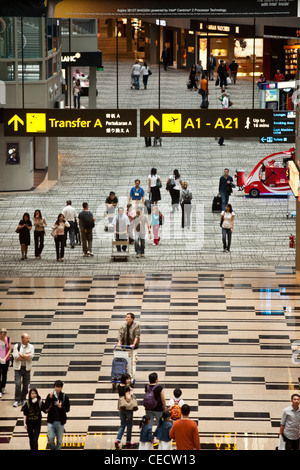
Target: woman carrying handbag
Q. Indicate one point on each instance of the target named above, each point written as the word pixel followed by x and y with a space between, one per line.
pixel 126 405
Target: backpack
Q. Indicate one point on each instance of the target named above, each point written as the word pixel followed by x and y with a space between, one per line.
pixel 11 359
pixel 188 196
pixel 161 219
pixel 175 411
pixel 149 401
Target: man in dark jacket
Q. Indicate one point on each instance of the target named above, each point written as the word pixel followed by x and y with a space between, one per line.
pixel 225 187
pixel 57 405
pixel 222 73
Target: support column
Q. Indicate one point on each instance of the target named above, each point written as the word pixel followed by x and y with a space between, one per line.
pixel 53 159
pixel 92 88
pixel 41 153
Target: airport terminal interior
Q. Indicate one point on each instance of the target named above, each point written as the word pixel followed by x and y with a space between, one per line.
pixel 221 326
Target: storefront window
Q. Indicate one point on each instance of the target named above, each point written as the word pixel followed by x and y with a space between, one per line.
pixel 31 42
pixel 7 42
pixel 30 71
pixel 244 49
pixel 83 27
pixel 7 71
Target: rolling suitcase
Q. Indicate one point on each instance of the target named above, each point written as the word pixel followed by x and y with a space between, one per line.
pixel 122 364
pixel 217 204
pixel 119 367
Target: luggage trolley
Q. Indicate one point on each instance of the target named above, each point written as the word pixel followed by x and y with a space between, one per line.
pixel 120 254
pixel 122 364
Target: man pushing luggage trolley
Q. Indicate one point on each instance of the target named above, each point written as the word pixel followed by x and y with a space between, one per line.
pixel 129 336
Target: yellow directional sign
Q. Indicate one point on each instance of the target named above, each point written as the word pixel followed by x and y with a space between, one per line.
pixel 71 122
pixel 151 120
pixel 36 122
pixel 171 123
pixel 15 120
pixel 206 122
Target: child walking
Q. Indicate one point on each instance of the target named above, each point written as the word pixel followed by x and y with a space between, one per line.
pixel 146 437
pixel 155 225
pixel 162 431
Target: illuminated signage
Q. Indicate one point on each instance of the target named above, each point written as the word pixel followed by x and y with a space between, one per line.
pixel 81 59
pixel 70 122
pixel 284 128
pixel 206 123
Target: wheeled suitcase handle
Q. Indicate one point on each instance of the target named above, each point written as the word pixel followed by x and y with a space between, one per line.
pixel 123 346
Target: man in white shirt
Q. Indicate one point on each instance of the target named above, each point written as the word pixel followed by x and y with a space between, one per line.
pixel 121 223
pixel 70 215
pixel 290 424
pixel 23 354
pixel 136 71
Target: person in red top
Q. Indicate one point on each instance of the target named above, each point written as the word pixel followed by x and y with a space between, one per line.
pixel 279 77
pixel 185 431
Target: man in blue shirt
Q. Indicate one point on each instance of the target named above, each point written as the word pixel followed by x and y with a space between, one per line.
pixel 225 187
pixel 137 195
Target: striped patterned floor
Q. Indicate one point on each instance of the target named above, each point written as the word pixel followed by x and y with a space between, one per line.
pixel 227 340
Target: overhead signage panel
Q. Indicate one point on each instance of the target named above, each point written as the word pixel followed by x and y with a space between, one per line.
pixel 148 8
pixel 284 128
pixel 70 122
pixel 206 123
pixel 81 59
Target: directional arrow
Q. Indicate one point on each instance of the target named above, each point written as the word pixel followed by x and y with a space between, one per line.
pixel 15 119
pixel 152 120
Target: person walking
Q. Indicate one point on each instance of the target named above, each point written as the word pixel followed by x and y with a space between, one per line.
pixel 225 187
pixel 23 229
pixel 165 57
pixel 279 77
pixel 290 424
pixel 57 405
pixel 39 233
pixel 233 67
pixel 70 216
pixel 5 352
pixel 137 195
pixel 224 98
pixel 162 431
pixel 121 226
pixel 193 78
pixel 145 72
pixel 185 431
pixel 86 225
pixel 146 436
pixel 32 411
pixel 203 90
pixel 186 206
pixel 58 231
pixel 136 71
pixel 227 223
pixel 130 335
pixel 154 185
pixel 154 400
pixel 126 416
pixel 222 73
pixel 174 185
pixel 155 225
pixel 23 354
pixel 138 227
pixel 211 65
pixel 77 93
